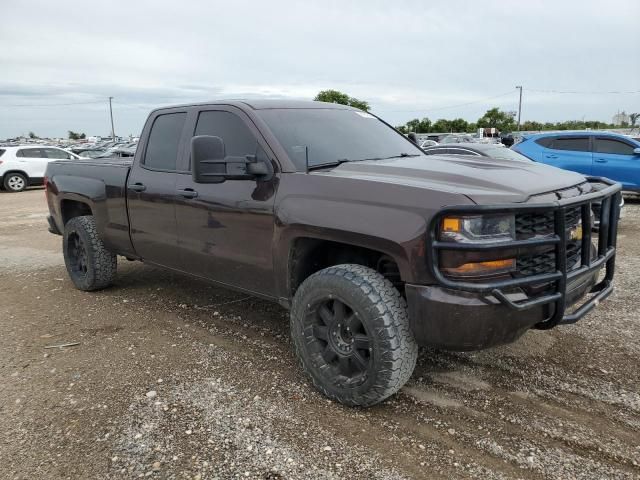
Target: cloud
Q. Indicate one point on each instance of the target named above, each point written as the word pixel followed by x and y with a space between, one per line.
pixel 407 58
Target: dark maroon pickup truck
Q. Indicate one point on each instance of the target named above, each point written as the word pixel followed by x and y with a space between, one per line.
pixel 373 246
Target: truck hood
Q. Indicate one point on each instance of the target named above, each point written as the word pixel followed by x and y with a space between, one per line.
pixel 481 179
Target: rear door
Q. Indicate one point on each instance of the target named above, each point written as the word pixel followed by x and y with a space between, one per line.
pixel 570 153
pixel 33 161
pixel 151 190
pixel 226 229
pixel 614 158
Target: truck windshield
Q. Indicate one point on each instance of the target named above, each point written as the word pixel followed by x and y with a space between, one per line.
pixel 334 135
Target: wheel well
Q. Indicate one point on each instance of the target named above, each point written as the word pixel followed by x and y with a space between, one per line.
pixel 73 208
pixel 9 172
pixel 310 255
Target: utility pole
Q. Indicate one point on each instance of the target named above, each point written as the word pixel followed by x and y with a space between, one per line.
pixel 519 87
pixel 113 132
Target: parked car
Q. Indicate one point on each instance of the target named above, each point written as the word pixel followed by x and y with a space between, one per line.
pixel 428 143
pixel 601 154
pixel 24 166
pixel 117 152
pixel 374 247
pixel 476 150
pixel 457 139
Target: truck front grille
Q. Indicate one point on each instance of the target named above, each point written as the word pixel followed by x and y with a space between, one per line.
pixel 532 225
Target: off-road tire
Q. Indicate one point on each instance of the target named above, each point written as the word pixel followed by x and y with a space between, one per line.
pixel 99 266
pixel 382 312
pixel 15 182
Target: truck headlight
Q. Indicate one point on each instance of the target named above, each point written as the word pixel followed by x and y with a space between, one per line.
pixel 477 229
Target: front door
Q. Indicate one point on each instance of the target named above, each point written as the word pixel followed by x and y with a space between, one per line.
pixel 570 153
pixel 151 192
pixel 614 159
pixel 225 230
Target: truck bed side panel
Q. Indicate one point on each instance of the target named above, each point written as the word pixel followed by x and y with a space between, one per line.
pixel 101 186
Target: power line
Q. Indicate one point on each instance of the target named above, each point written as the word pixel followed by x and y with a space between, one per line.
pixel 615 92
pixel 428 109
pixel 52 104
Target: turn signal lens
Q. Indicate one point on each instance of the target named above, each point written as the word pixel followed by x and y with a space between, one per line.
pixel 478 269
pixel 451 225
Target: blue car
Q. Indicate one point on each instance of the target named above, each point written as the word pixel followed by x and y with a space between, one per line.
pixel 600 154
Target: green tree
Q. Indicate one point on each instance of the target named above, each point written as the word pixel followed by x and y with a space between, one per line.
pixel 32 135
pixel 633 117
pixel 334 96
pixel 76 136
pixel 441 126
pixel 459 125
pixel 496 118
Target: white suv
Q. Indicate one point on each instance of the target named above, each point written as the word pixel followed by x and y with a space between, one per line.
pixel 24 166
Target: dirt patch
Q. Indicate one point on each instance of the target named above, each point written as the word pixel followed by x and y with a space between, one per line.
pixel 175 378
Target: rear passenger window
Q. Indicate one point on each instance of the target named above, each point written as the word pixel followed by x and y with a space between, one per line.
pixel 545 141
pixel 577 144
pixel 162 147
pixel 58 154
pixel 30 153
pixel 238 139
pixel 608 145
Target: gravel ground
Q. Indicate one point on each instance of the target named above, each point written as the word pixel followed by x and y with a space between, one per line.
pixel 175 378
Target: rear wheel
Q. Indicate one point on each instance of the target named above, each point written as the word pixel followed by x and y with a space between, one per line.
pixel 89 264
pixel 15 182
pixel 351 333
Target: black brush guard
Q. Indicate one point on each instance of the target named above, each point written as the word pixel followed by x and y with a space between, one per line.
pixel 608 197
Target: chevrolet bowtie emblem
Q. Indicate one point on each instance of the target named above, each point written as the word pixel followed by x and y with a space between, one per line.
pixel 575 233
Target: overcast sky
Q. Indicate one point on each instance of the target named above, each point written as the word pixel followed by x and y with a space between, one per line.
pixel 441 59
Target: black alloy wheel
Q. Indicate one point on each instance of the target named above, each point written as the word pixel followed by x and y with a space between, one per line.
pixel 340 339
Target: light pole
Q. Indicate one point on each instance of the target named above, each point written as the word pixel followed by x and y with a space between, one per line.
pixel 519 87
pixel 113 132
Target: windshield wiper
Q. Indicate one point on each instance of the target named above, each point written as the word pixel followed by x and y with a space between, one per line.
pixel 335 163
pixel 400 155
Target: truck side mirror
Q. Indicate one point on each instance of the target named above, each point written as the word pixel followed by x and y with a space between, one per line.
pixel 207 159
pixel 212 165
pixel 636 151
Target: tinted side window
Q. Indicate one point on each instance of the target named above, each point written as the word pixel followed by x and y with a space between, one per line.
pixel 462 151
pixel 238 139
pixel 544 141
pixel 31 153
pixel 436 151
pixel 162 147
pixel 1 151
pixel 608 145
pixel 54 153
pixel 578 144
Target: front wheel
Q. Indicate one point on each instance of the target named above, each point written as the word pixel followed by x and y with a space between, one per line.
pixel 350 329
pixel 89 264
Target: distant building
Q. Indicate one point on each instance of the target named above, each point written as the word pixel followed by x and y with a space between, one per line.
pixel 621 118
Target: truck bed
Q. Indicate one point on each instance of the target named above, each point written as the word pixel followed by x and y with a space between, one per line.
pixel 101 184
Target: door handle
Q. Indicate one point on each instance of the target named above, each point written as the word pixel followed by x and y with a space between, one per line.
pixel 550 155
pixel 600 160
pixel 137 187
pixel 188 193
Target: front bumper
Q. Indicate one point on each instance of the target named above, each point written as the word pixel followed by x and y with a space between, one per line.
pixel 466 315
pixel 459 320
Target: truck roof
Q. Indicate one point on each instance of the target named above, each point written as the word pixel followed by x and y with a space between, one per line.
pixel 264 104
